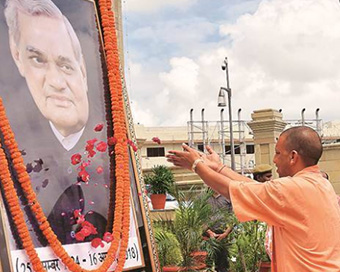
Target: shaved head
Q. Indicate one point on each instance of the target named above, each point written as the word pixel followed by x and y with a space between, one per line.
pixel 304 140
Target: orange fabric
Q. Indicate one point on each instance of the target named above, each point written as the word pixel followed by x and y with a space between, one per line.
pixel 305 216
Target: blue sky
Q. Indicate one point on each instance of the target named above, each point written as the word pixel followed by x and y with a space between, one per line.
pixel 283 54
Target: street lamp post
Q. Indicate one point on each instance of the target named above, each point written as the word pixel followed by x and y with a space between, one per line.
pixel 222 103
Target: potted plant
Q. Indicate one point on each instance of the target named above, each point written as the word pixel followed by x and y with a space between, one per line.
pixel 168 249
pixel 161 181
pixel 191 216
pixel 247 252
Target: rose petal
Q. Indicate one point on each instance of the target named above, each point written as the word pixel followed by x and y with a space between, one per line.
pixel 75 159
pixel 99 170
pixel 96 242
pixel 107 237
pixel 112 141
pixel 79 236
pixel 156 140
pixel 99 127
pixel 101 146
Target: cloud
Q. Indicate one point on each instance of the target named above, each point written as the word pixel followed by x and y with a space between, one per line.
pixel 155 5
pixel 283 56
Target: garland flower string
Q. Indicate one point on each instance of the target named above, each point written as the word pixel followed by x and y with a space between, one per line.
pixel 120 228
pixel 117 101
pixel 13 201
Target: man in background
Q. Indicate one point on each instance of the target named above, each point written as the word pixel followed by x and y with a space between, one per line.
pixel 219 230
pixel 263 172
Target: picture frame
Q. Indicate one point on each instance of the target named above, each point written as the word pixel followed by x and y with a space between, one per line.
pixel 51 170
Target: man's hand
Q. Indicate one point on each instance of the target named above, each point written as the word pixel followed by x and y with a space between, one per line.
pixel 221 236
pixel 185 158
pixel 224 234
pixel 212 159
pixel 212 234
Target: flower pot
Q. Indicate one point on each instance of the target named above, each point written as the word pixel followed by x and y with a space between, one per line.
pixel 183 269
pixel 199 257
pixel 158 201
pixel 172 268
pixel 265 266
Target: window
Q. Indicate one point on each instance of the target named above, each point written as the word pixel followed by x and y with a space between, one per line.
pixel 200 147
pixel 228 149
pixel 155 152
pixel 250 149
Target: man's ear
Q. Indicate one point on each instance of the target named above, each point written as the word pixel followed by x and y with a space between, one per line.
pixel 16 55
pixel 293 156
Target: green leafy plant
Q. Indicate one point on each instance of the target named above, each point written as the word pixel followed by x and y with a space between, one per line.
pixel 191 216
pixel 161 180
pixel 247 248
pixel 168 247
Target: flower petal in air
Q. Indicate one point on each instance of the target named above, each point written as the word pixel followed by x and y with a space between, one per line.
pixel 111 141
pixel 107 237
pixel 99 127
pixel 75 159
pixel 96 242
pixel 99 170
pixel 101 146
pixel 156 140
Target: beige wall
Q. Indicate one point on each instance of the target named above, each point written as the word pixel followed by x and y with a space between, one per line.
pixel 330 163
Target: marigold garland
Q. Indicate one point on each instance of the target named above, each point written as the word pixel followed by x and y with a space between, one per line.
pixel 120 227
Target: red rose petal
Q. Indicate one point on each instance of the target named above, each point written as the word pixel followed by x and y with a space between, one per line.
pixel 134 147
pixel 92 142
pixel 107 237
pixel 75 159
pixel 96 242
pixel 99 127
pixel 79 236
pixel 101 146
pixel 99 170
pixel 112 141
pixel 85 177
pixel 156 140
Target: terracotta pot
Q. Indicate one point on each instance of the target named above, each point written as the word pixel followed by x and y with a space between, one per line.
pixel 265 266
pixel 158 201
pixel 172 268
pixel 199 257
pixel 182 269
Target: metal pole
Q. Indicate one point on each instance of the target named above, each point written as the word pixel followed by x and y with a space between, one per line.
pixel 222 137
pixel 240 139
pixel 191 129
pixel 231 132
pixel 303 116
pixel 318 127
pixel 203 130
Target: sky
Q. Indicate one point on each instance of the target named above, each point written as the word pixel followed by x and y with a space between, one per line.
pixel 282 54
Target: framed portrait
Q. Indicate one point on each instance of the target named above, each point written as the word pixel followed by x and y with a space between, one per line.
pixel 55 89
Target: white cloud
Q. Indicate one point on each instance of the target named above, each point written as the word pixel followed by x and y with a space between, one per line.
pixel 155 5
pixel 182 79
pixel 284 56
